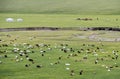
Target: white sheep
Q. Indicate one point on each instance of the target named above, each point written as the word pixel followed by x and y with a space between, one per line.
pixel 108 69
pixel 16 57
pixel 67 68
pixel 0 62
pixel 67 64
pixel 17 60
pixel 21 59
pixel 51 63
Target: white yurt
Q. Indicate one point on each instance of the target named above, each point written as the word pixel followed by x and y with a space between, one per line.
pixel 19 20
pixel 9 20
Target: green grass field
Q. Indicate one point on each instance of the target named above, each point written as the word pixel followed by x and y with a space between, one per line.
pixel 96 53
pixel 60 6
pixel 60 13
pixel 11 68
pixel 59 20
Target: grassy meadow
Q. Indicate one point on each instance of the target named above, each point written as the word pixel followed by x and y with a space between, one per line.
pixel 60 54
pixel 53 61
pixel 59 20
pixel 61 6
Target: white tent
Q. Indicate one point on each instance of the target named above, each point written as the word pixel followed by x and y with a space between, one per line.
pixel 9 20
pixel 19 20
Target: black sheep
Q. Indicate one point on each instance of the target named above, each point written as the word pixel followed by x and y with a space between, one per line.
pixel 78 51
pixel 38 66
pixel 42 54
pixel 5 56
pixel 31 60
pixel 27 65
pixel 81 72
pixel 60 57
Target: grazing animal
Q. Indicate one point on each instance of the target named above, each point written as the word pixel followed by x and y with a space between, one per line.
pixel 68 56
pixel 42 54
pixel 67 68
pixel 98 48
pixel 38 66
pixel 0 62
pixel 27 65
pixel 96 61
pixel 84 19
pixel 59 57
pixel 72 72
pixel 81 72
pixel 31 60
pixel 78 19
pixel 43 51
pixel 5 56
pixel 61 44
pixel 17 60
pixel 116 57
pixel 5 45
pixel 33 51
pixel 116 66
pixel 83 44
pixel 66 44
pixel 67 64
pixel 71 49
pixel 20 54
pixel 82 49
pixel 85 57
pixel 37 45
pixel 111 67
pixel 26 56
pixel 57 62
pixel 65 51
pixel 21 59
pixel 78 51
pixel 113 58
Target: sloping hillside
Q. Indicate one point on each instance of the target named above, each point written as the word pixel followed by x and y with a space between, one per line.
pixel 61 6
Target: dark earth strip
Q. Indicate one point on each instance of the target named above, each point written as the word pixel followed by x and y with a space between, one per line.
pixel 56 28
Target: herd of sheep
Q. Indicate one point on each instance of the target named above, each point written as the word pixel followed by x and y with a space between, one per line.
pixel 23 52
